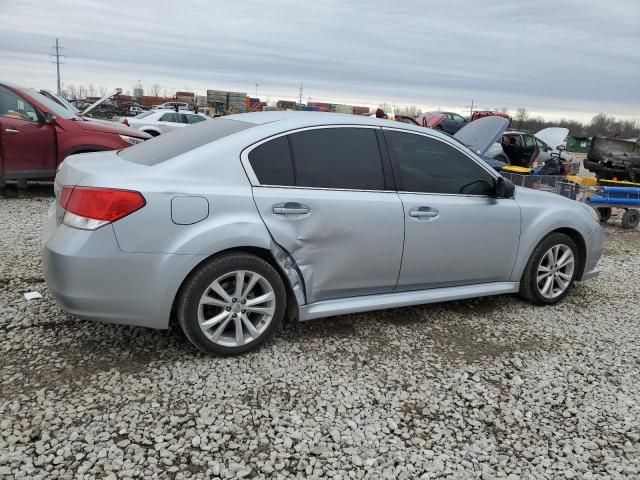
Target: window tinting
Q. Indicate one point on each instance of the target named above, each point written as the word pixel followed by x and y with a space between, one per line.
pixel 338 158
pixel 194 119
pixel 182 140
pixel 271 162
pixel 169 117
pixel 431 166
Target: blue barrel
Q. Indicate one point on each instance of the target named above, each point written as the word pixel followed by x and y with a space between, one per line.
pixel 615 191
pixel 631 202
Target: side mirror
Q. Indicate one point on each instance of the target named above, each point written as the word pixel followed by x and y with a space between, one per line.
pixel 49 117
pixel 504 188
pixel 561 148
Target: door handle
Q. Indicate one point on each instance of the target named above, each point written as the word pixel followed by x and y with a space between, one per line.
pixel 423 212
pixel 12 130
pixel 290 209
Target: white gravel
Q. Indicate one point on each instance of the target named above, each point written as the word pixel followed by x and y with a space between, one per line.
pixel 489 388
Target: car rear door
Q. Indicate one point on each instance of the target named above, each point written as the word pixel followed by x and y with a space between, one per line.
pixel 456 231
pixel 28 144
pixel 326 196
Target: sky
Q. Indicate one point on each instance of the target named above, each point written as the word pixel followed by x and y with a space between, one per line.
pixel 558 58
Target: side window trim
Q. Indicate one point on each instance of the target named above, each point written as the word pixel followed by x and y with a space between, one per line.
pixel 253 179
pixel 396 165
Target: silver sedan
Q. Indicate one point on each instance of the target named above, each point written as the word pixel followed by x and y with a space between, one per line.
pixel 236 222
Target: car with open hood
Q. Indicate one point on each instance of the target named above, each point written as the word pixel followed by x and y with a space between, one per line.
pixel 448 122
pixel 235 222
pixel 39 133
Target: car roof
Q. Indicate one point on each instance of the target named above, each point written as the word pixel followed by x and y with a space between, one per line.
pixel 296 119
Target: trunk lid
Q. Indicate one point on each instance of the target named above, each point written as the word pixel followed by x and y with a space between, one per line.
pixel 481 134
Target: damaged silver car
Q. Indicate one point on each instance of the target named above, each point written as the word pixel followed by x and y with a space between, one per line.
pixel 233 223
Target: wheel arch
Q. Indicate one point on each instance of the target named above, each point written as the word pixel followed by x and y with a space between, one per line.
pixel 294 292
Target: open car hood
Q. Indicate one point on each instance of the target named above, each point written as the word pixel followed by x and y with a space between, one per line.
pixel 553 136
pixel 481 134
pixel 110 127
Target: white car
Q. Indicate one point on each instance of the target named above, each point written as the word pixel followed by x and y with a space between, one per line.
pixel 172 106
pixel 157 122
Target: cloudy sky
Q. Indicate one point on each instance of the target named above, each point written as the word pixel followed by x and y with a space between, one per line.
pixel 555 57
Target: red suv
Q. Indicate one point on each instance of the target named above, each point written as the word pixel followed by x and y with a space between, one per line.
pixel 37 134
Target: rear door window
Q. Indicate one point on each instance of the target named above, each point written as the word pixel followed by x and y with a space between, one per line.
pixel 271 162
pixel 345 158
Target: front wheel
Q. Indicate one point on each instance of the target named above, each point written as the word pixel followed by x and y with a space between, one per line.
pixel 232 304
pixel 631 218
pixel 551 270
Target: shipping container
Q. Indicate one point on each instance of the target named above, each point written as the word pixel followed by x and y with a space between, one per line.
pixel 319 106
pixel 286 105
pixel 344 109
pixel 361 110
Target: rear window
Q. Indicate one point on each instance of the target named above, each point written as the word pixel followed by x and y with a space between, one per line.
pixel 177 142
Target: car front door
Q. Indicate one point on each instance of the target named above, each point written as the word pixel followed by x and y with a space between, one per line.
pixel 28 144
pixel 326 197
pixel 456 231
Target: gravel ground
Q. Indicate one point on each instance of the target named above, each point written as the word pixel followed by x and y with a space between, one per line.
pixel 488 388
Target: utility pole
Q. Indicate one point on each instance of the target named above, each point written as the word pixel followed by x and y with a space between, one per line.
pixel 300 103
pixel 256 90
pixel 57 56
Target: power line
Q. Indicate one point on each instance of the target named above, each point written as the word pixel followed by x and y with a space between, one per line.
pixel 57 48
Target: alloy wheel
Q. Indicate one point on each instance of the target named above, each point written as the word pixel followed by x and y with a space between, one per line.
pixel 555 271
pixel 236 308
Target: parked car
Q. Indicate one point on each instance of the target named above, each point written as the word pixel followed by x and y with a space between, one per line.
pixel 157 122
pixel 614 158
pixel 481 136
pixel 172 106
pixel 447 122
pixel 236 221
pixel 531 150
pixel 478 114
pixel 63 102
pixel 38 133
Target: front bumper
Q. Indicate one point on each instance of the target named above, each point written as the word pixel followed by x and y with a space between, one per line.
pixel 91 278
pixel 594 244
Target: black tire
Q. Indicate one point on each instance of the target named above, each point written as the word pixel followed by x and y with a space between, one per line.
pixel 529 289
pixel 605 214
pixel 199 282
pixel 631 218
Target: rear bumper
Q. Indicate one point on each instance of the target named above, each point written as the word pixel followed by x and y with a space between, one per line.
pixel 91 278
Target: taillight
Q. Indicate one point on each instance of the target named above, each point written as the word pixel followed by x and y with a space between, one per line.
pixel 126 122
pixel 89 208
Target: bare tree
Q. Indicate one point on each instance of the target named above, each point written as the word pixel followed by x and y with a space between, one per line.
pixel 91 89
pixel 102 90
pixel 504 110
pixel 409 111
pixel 521 116
pixel 82 91
pixel 155 90
pixel 72 92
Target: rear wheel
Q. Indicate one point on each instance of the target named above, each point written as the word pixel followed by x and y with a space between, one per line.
pixel 551 270
pixel 232 304
pixel 631 218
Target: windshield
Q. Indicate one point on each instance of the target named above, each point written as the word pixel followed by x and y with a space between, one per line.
pixel 55 108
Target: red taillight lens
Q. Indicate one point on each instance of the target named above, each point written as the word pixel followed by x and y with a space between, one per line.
pixel 105 204
pixel 126 122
